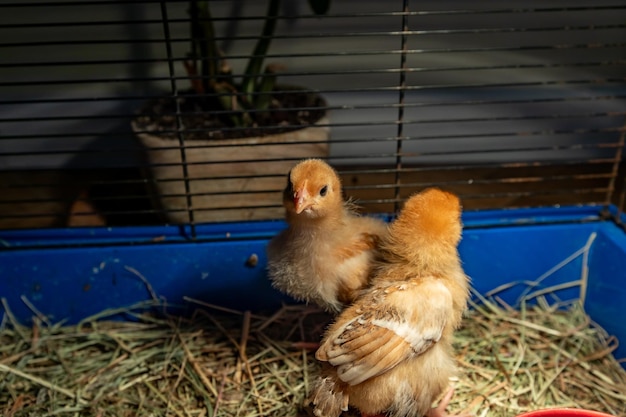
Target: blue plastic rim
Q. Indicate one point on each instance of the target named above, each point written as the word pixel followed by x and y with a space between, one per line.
pixel 70 274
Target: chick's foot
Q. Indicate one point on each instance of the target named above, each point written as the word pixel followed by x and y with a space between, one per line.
pixel 440 410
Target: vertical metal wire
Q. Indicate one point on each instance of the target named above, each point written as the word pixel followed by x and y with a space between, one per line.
pixel 620 206
pixel 179 122
pixel 401 96
pixel 614 175
pixel 610 192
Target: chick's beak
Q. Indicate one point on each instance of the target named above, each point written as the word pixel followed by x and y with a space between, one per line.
pixel 301 200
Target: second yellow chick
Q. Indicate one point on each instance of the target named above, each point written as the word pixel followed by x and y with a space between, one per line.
pixel 390 352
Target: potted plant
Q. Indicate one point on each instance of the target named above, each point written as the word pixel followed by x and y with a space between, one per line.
pixel 233 138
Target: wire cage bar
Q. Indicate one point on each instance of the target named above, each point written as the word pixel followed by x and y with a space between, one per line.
pixel 516 105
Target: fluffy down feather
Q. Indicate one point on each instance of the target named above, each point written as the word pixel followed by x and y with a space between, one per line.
pixel 326 254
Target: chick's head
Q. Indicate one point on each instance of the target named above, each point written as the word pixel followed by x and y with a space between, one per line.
pixel 313 190
pixel 429 217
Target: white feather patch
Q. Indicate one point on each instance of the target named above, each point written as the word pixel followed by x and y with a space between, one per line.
pixel 419 338
pixel 418 335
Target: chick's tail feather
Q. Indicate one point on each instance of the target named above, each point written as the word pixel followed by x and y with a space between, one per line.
pixel 328 397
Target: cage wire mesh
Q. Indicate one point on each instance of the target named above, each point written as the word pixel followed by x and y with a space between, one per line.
pixel 516 104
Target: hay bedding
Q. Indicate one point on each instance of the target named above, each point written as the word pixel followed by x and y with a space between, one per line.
pixel 229 363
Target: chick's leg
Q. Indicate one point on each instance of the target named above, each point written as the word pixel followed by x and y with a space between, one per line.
pixel 440 410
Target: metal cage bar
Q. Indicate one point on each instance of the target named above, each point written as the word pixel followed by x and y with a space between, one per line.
pixel 516 106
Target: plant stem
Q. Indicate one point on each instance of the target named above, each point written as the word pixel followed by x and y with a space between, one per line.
pixel 209 51
pixel 255 65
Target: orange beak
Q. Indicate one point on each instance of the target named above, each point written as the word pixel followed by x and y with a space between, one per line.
pixel 301 199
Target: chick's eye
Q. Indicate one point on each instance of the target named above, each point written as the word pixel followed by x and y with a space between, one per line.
pixel 324 190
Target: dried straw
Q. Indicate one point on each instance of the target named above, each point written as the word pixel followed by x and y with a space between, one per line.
pixel 517 360
pixel 211 364
pixel 544 353
pixel 235 363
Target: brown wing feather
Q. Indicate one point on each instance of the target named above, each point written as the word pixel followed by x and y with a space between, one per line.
pixel 377 363
pixel 362 350
pixel 364 345
pixel 373 342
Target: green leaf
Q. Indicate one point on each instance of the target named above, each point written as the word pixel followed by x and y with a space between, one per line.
pixel 205 37
pixel 265 87
pixel 255 64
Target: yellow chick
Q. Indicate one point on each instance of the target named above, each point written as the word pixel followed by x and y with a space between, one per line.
pixel 326 254
pixel 390 352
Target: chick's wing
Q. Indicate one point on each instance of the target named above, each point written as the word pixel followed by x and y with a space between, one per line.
pixel 378 333
pixel 358 244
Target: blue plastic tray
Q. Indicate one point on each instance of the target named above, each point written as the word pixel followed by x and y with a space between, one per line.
pixel 69 274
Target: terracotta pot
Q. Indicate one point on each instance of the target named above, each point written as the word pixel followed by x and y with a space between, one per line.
pixel 215 168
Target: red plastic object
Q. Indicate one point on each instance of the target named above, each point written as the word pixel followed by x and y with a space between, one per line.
pixel 564 412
